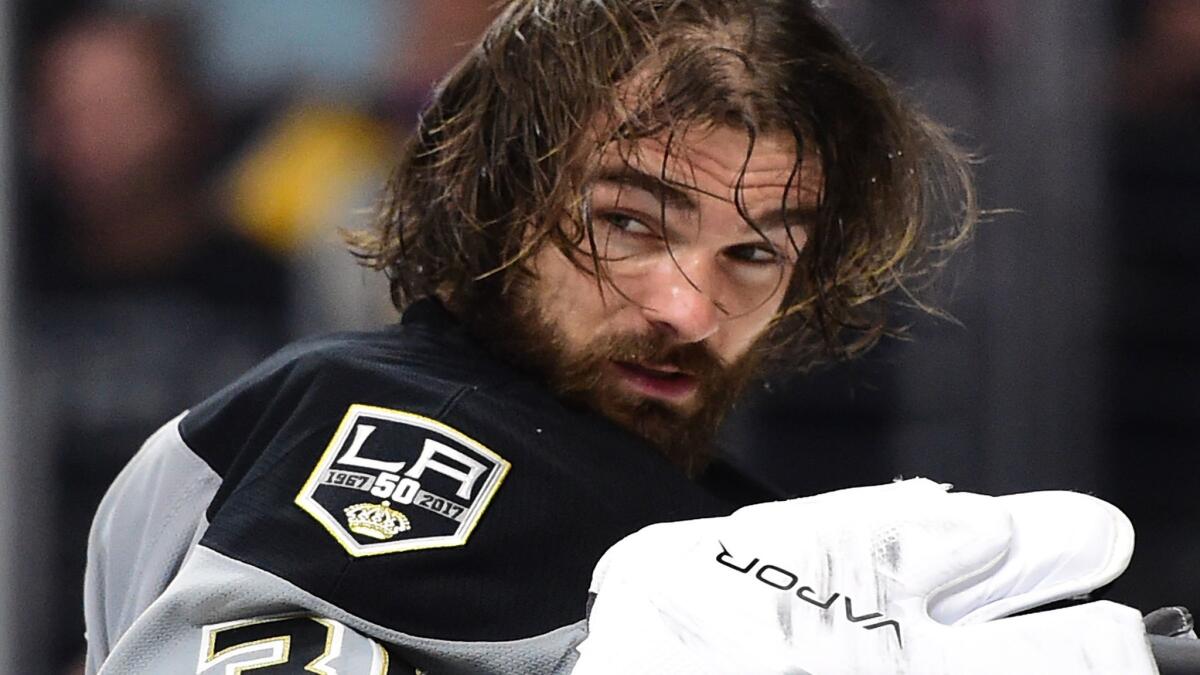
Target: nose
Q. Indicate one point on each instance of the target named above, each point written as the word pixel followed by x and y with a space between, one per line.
pixel 679 300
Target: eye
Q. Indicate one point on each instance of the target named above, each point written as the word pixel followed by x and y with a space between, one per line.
pixel 757 254
pixel 628 224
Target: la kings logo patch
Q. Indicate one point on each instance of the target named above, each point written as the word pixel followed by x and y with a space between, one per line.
pixel 392 481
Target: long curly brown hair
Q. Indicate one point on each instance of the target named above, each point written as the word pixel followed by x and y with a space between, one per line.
pixel 498 164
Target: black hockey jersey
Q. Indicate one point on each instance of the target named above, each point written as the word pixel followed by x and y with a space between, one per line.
pixel 368 503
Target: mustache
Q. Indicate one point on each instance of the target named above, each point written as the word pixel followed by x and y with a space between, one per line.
pixel 584 373
pixel 693 358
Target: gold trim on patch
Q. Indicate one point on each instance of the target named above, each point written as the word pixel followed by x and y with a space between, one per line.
pixel 340 533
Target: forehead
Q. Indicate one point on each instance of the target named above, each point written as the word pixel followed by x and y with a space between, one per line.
pixel 718 161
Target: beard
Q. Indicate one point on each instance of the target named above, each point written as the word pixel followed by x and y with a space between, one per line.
pixel 583 376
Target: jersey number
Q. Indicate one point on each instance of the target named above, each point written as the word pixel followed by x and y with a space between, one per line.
pixel 296 645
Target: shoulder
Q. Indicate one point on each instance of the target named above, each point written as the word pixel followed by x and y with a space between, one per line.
pixel 323 377
pixel 356 461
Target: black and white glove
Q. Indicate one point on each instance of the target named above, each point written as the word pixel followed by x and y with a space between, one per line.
pixel 899 578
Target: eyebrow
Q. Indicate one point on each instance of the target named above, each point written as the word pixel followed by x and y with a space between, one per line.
pixel 674 196
pixel 679 198
pixel 802 216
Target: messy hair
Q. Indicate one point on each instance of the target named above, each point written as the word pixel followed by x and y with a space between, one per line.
pixel 499 162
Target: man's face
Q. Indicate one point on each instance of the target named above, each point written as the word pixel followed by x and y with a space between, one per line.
pixel 662 342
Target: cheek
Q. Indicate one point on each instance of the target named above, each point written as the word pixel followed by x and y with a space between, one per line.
pixel 567 297
pixel 739 333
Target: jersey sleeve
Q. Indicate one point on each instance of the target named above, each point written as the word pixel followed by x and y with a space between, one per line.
pixel 285 643
pixel 141 534
pixel 157 603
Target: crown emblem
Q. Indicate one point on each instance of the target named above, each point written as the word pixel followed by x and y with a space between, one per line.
pixel 377 521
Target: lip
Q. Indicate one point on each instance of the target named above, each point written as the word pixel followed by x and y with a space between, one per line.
pixel 661 382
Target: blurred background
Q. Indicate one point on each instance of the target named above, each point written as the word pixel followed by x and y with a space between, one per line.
pixel 174 173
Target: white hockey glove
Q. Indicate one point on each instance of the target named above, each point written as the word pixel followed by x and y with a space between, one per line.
pixel 899 578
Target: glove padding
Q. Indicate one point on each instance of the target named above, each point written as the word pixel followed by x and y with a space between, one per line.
pixel 898 578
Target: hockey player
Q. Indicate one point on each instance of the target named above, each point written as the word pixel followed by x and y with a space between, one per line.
pixel 614 214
